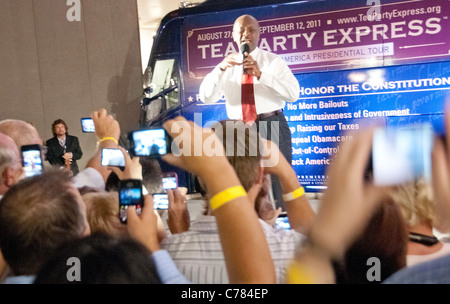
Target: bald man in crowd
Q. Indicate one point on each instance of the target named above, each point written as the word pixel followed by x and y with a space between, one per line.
pixel 11 172
pixel 22 132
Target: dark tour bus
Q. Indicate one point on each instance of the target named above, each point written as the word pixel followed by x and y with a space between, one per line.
pixel 358 63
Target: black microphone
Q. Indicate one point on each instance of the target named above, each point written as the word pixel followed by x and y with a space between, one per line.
pixel 245 48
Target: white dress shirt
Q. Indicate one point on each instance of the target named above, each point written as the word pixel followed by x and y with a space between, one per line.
pixel 276 85
pixel 198 252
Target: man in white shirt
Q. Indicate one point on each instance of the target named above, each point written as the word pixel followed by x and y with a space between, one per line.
pixel 273 86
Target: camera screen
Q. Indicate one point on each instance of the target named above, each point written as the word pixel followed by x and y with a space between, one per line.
pixel 129 197
pixel 401 155
pixel 169 183
pixel 113 157
pixel 160 201
pixel 87 125
pixel 150 142
pixel 32 162
pixel 282 222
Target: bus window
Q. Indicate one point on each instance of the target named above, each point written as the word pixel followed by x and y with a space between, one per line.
pixel 163 88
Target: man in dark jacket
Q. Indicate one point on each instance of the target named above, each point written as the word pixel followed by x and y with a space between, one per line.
pixel 63 149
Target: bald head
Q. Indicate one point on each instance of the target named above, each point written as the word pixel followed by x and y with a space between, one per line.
pixel 22 132
pixel 10 163
pixel 246 30
pixel 6 142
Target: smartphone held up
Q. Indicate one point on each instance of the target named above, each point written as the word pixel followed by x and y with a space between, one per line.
pixel 170 180
pixel 153 142
pixel 160 201
pixel 32 159
pixel 113 157
pixel 130 194
pixel 87 125
pixel 400 155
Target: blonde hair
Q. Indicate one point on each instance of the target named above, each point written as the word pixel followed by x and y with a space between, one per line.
pixel 103 213
pixel 416 202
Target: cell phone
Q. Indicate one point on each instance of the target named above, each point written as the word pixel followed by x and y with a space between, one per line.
pixel 113 157
pixel 150 142
pixel 400 155
pixel 130 194
pixel 282 222
pixel 32 159
pixel 87 125
pixel 170 180
pixel 160 201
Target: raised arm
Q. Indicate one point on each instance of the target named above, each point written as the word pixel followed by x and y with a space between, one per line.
pixel 107 131
pixel 346 207
pixel 299 211
pixel 133 170
pixel 245 247
pixel 441 176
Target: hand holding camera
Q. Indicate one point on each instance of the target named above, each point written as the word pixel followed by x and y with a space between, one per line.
pixel 178 218
pixel 105 125
pixel 201 164
pixel 144 227
pixel 132 167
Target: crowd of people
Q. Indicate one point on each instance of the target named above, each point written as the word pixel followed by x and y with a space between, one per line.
pixel 49 218
pixel 63 225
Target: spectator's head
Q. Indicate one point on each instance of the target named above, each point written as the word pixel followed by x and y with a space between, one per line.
pixel 112 182
pixel 103 213
pixel 59 128
pixel 151 175
pixel 11 170
pixel 242 146
pixel 103 259
pixel 385 238
pixel 37 215
pixel 22 132
pixel 416 202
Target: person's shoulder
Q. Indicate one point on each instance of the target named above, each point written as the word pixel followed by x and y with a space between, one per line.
pixel 71 138
pixel 267 53
pixel 270 57
pixel 435 271
pixel 50 140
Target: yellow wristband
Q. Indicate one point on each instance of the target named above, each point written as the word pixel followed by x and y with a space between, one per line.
pixel 294 194
pixel 108 138
pixel 297 274
pixel 226 196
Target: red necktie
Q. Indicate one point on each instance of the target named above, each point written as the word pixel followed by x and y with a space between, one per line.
pixel 248 99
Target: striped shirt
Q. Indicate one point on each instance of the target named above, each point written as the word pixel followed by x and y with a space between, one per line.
pixel 198 252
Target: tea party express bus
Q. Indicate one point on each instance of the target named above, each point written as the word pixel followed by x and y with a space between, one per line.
pixel 357 62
